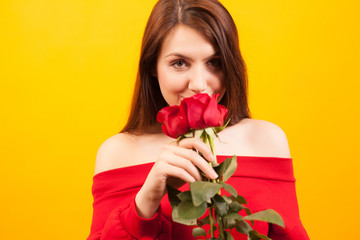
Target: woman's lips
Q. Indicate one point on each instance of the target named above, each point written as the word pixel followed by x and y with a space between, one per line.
pixel 182 97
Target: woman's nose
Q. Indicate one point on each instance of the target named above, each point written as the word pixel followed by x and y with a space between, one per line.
pixel 198 81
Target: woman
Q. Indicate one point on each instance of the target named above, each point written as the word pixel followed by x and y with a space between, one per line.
pixel 189 47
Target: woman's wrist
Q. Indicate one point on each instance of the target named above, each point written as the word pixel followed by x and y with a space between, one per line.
pixel 146 206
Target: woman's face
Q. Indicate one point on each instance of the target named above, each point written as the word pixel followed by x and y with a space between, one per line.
pixel 188 64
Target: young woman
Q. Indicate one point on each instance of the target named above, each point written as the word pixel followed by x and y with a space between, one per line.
pixel 189 47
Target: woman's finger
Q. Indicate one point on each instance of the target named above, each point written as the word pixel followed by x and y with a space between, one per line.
pixel 186 164
pixel 194 159
pixel 174 171
pixel 199 145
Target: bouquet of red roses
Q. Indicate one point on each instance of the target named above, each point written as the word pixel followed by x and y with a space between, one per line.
pixel 200 116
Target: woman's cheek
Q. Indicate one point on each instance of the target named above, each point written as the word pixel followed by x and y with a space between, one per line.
pixel 172 89
pixel 176 83
pixel 218 83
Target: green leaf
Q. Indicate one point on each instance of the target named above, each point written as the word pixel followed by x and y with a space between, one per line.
pixel 229 223
pixel 236 207
pixel 226 168
pixel 203 221
pixel 189 135
pixel 239 199
pixel 227 199
pixel 197 232
pixel 226 123
pixel 187 210
pixel 234 216
pixel 268 215
pixel 248 212
pixel 172 195
pixel 229 236
pixel 219 129
pixel 229 168
pixel 202 191
pixel 243 227
pixel 220 204
pixel 184 196
pixel 186 213
pixel 220 169
pixel 198 133
pixel 255 235
pixel 210 132
pixel 176 218
pixel 230 189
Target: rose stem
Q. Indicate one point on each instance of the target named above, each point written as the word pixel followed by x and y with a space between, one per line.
pixel 211 221
pixel 211 141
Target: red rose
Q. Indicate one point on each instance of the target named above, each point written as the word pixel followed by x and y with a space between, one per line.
pixel 203 111
pixel 174 121
pixel 215 114
pixel 197 112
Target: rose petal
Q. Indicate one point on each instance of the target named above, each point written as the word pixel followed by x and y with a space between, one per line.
pixel 204 98
pixel 194 109
pixel 211 113
pixel 174 121
pixel 223 113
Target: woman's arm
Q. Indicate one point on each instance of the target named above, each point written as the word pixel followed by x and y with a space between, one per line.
pixel 175 165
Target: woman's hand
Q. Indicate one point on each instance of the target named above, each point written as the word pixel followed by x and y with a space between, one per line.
pixel 175 166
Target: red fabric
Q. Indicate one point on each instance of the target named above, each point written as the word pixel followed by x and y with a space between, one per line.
pixel 265 182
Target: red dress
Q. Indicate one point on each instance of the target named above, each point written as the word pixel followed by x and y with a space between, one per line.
pixel 265 182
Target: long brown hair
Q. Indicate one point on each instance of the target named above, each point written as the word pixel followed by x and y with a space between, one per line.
pixel 210 18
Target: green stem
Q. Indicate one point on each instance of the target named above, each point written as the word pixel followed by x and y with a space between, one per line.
pixel 211 221
pixel 219 226
pixel 211 141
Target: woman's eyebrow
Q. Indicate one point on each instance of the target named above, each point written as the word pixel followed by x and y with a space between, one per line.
pixel 217 54
pixel 178 55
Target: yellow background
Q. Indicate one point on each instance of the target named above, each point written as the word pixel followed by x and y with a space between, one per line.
pixel 67 70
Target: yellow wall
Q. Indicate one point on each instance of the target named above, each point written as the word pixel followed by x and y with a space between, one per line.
pixel 66 73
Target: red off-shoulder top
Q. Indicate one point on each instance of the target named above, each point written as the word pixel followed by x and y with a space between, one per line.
pixel 265 182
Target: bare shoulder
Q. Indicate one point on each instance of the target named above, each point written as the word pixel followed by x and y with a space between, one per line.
pixel 114 152
pixel 253 137
pixel 268 138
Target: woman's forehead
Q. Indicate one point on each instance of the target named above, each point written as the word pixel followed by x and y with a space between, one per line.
pixel 184 40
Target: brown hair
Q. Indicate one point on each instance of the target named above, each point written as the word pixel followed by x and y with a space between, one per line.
pixel 210 18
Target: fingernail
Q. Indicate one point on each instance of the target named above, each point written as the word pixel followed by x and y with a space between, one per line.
pixel 214 175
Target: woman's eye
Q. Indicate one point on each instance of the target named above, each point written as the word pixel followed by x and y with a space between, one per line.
pixel 216 63
pixel 179 64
